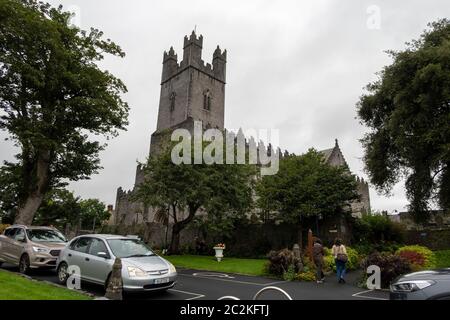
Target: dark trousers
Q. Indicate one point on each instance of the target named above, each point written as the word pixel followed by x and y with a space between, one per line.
pixel 319 271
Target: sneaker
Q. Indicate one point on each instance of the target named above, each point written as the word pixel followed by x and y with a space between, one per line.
pixel 319 281
pixel 343 280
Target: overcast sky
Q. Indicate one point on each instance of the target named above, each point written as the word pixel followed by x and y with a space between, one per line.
pixel 296 66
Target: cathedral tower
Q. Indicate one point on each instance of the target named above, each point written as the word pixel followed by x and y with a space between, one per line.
pixel 191 90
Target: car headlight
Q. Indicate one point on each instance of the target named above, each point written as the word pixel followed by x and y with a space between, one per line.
pixel 172 268
pixel 411 286
pixel 135 272
pixel 40 250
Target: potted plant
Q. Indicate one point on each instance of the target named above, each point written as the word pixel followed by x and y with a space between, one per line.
pixel 219 251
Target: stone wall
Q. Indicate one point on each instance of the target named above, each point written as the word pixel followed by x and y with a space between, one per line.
pixel 433 239
pixel 247 240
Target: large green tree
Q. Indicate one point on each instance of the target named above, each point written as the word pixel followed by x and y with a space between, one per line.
pixel 408 112
pixel 93 213
pixel 305 187
pixel 53 98
pixel 61 207
pixel 186 190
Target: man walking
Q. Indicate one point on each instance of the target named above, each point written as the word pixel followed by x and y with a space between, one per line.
pixel 318 253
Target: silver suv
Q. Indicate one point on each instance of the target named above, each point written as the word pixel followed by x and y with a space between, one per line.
pixel 31 247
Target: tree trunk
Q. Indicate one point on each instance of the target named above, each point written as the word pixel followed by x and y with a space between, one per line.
pixel 300 237
pixel 175 241
pixel 31 203
pixel 177 228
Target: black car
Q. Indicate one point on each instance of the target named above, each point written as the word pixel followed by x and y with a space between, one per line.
pixel 423 285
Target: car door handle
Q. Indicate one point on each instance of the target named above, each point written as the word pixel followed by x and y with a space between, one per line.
pixel 87 259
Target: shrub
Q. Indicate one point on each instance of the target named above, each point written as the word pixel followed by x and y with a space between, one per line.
pixel 420 258
pixel 308 265
pixel 366 248
pixel 306 276
pixel 391 266
pixel 377 228
pixel 280 261
pixel 290 274
pixel 3 227
pixel 353 263
pixel 415 259
pixel 442 258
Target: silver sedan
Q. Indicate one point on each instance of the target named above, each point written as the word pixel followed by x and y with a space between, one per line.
pixel 93 257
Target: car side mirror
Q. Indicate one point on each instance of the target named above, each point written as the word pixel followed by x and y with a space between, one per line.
pixel 103 255
pixel 21 239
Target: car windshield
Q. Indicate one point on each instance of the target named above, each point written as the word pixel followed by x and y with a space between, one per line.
pixel 128 248
pixel 42 235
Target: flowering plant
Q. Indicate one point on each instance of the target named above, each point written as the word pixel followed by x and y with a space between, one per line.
pixel 220 245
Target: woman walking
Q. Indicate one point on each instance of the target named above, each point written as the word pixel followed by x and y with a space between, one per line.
pixel 318 254
pixel 340 257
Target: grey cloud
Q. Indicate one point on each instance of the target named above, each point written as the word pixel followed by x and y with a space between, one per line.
pixel 298 66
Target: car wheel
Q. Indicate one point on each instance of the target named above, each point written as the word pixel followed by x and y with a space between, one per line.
pixel 62 273
pixel 24 264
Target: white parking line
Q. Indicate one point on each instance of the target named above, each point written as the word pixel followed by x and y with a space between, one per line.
pixel 228 280
pixel 360 295
pixel 197 295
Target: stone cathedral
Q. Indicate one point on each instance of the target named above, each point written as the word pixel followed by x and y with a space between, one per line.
pixel 194 91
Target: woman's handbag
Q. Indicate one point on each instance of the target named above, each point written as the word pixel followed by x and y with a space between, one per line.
pixel 342 257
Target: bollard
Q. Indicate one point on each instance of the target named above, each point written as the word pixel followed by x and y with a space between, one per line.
pixel 115 283
pixel 298 254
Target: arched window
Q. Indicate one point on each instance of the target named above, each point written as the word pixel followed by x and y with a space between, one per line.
pixel 207 100
pixel 172 101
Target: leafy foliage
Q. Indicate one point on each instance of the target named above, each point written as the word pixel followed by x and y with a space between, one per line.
pixel 392 266
pixel 62 207
pixel 420 258
pixel 353 263
pixel 53 98
pixel 290 274
pixel 408 112
pixel 281 261
pixel 377 229
pixel 221 191
pixel 306 276
pixel 305 186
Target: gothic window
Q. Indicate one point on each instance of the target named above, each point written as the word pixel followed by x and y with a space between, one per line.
pixel 207 100
pixel 172 101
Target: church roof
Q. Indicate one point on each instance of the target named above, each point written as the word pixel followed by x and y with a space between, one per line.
pixel 334 155
pixel 327 153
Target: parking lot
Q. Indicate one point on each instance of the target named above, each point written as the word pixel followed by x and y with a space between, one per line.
pixel 202 285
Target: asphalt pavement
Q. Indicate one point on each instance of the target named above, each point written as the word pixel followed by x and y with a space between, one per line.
pixel 204 285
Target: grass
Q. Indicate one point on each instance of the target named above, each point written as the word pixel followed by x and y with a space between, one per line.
pixel 443 258
pixel 253 267
pixel 14 287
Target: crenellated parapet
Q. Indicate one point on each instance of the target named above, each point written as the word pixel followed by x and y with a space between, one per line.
pixel 192 57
